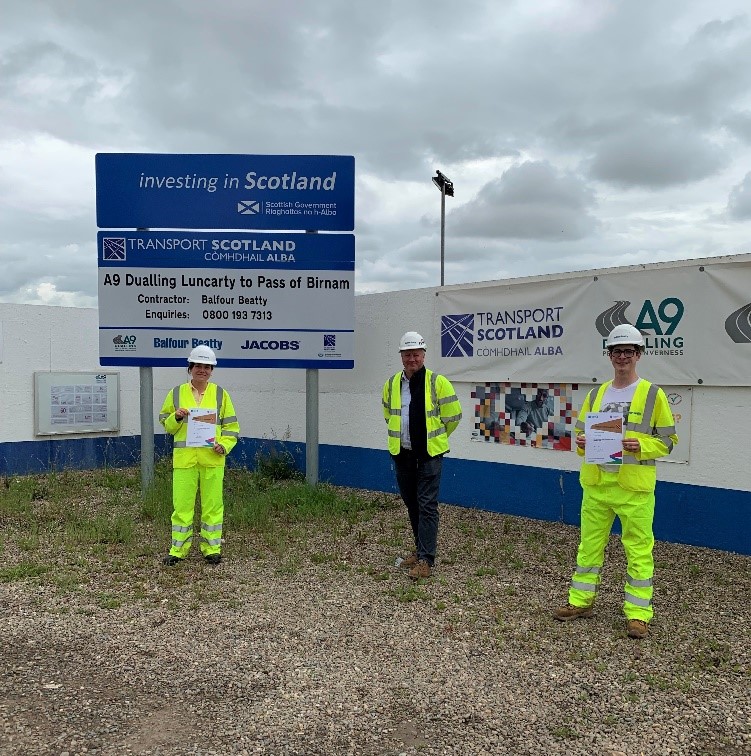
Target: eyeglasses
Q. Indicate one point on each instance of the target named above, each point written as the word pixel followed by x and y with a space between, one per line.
pixel 623 352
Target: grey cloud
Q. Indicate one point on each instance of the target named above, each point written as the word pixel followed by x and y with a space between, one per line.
pixel 739 124
pixel 529 201
pixel 655 155
pixel 719 29
pixel 739 201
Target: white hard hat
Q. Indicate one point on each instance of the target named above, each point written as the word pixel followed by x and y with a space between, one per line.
pixel 202 355
pixel 411 340
pixel 625 334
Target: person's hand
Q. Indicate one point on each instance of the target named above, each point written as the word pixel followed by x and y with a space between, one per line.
pixel 632 445
pixel 181 413
pixel 525 427
pixel 581 440
pixel 219 449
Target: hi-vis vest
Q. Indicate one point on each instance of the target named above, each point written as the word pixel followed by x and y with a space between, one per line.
pixel 442 412
pixel 227 428
pixel 651 421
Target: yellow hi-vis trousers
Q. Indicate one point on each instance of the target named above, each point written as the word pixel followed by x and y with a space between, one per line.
pixel 185 484
pixel 635 510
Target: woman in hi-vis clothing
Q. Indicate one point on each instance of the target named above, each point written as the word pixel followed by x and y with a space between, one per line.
pixel 198 458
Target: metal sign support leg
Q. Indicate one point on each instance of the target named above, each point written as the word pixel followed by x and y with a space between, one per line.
pixel 311 426
pixel 147 427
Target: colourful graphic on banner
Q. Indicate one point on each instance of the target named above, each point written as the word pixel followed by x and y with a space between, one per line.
pixel 540 415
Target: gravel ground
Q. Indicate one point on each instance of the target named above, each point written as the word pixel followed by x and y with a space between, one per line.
pixel 320 645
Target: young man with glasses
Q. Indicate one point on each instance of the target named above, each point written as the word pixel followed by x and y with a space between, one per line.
pixel 624 490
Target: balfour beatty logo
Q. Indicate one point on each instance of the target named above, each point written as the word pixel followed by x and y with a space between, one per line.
pixel 657 322
pixel 169 343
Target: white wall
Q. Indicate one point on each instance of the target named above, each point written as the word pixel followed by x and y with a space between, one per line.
pixel 39 338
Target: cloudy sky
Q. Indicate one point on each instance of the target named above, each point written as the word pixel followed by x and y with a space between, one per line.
pixel 578 133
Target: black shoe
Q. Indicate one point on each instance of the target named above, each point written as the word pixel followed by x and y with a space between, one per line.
pixel 213 558
pixel 171 561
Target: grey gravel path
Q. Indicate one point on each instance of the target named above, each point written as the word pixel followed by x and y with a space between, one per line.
pixel 322 646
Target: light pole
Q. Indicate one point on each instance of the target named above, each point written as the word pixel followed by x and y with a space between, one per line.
pixel 446 187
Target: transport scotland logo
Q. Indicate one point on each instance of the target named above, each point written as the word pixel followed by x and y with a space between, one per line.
pixel 113 248
pixel 457 335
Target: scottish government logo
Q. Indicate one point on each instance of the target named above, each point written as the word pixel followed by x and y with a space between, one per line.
pixel 457 335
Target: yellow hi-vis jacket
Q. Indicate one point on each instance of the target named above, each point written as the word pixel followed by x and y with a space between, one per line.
pixel 442 411
pixel 651 421
pixel 227 427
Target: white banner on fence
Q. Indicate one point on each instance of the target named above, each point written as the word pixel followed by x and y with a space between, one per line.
pixel 696 319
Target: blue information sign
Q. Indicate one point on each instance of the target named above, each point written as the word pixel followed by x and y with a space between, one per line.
pixel 257 299
pixel 264 192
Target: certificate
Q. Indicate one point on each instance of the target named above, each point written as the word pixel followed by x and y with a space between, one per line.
pixel 604 432
pixel 201 427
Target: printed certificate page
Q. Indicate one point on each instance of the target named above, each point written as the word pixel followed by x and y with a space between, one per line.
pixel 201 427
pixel 604 432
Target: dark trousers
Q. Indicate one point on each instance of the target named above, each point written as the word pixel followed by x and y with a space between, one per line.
pixel 419 481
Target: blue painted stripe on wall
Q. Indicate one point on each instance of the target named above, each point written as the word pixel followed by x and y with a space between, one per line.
pixel 698 515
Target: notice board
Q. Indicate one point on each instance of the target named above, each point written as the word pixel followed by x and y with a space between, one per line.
pixel 76 402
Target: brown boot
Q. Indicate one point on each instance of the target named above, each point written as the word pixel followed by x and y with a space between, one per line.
pixel 409 561
pixel 637 628
pixel 571 612
pixel 421 570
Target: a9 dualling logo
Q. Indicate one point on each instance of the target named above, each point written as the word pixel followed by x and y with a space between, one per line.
pixel 658 321
pixel 125 343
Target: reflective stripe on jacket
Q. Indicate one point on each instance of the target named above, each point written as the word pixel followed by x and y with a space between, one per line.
pixel 442 412
pixel 227 429
pixel 651 421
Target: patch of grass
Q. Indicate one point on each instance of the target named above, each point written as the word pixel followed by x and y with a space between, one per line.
pixel 290 565
pixel 108 601
pixel 657 682
pixel 100 529
pixel 379 575
pixel 410 593
pixel 275 462
pixel 482 571
pixel 256 504
pixel 709 653
pixel 535 538
pixel 565 732
pixel 22 571
pixel 322 557
pixel 474 587
pixel 67 582
pixel 29 541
